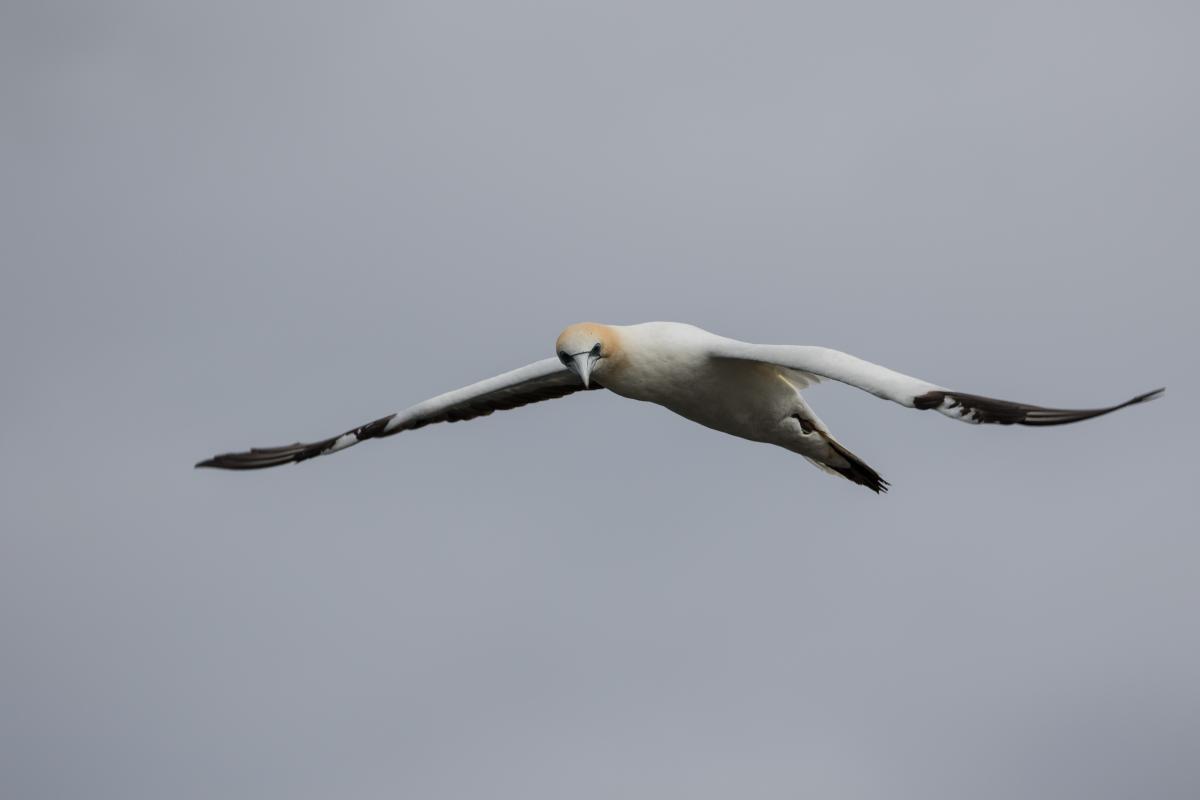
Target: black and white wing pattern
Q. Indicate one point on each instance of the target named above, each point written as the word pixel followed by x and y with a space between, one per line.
pixel 542 380
pixel 909 391
pixel 976 409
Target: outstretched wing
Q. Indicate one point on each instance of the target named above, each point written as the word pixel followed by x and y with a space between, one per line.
pixel 906 390
pixel 542 380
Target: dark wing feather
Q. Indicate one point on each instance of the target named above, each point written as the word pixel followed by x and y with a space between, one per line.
pixel 977 409
pixel 544 380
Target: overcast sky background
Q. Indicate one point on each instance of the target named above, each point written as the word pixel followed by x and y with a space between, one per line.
pixel 245 223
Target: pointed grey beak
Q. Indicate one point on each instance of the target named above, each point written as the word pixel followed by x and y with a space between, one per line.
pixel 583 366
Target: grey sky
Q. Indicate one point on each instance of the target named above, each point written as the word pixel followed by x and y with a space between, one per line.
pixel 231 224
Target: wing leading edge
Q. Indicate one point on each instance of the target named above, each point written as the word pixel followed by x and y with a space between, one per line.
pixel 543 380
pixel 909 391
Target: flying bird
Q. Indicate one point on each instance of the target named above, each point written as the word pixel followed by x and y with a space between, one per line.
pixel 747 390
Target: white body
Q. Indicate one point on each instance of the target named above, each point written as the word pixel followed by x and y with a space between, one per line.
pixel 671 364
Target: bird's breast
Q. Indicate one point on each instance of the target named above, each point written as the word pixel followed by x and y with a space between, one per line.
pixel 654 377
pixel 738 397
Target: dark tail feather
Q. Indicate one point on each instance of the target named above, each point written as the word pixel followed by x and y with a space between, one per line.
pixel 857 469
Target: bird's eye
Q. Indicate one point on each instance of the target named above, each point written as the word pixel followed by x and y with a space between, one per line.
pixel 596 349
pixel 564 358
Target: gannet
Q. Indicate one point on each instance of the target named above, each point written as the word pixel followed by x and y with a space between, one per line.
pixel 747 390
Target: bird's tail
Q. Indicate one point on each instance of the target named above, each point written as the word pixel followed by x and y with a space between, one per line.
pixel 849 466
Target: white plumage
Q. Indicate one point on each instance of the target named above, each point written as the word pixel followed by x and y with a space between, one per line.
pixel 747 390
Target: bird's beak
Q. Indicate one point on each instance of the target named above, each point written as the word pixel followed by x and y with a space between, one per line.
pixel 583 366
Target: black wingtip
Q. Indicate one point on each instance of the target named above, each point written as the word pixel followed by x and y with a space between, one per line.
pixel 223 461
pixel 232 461
pixel 1143 398
pixel 977 408
pixel 264 457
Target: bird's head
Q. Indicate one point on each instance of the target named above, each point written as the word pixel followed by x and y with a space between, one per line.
pixel 584 349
